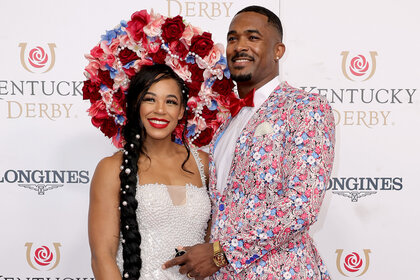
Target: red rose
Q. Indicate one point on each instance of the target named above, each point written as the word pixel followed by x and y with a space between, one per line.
pixel 227 98
pixel 209 115
pixel 135 25
pixel 109 128
pixel 223 87
pixel 194 87
pixel 172 29
pixel 202 44
pixel 119 97
pixel 126 56
pixel 178 48
pixel 91 91
pixel 205 137
pixel 196 73
pixel 130 72
pixel 105 78
pixel 159 57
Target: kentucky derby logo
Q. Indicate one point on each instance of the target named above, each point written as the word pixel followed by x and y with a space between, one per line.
pixel 37 59
pixel 43 258
pixel 359 67
pixel 353 264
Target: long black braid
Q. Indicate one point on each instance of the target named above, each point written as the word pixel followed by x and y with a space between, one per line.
pixel 134 134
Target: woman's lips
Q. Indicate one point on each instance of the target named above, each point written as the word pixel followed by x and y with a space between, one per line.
pixel 158 123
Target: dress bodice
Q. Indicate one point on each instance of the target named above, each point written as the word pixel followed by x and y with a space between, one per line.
pixel 164 225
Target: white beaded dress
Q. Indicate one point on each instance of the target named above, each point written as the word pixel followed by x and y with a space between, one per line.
pixel 166 222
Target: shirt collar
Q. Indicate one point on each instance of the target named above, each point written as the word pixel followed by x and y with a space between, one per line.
pixel 264 92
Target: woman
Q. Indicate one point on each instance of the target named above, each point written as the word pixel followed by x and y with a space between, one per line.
pixel 151 197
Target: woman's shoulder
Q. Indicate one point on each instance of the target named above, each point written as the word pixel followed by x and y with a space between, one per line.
pixel 108 169
pixel 111 161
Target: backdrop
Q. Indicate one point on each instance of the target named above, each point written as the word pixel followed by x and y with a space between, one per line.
pixel 363 55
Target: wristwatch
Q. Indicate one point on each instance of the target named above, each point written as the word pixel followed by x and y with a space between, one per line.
pixel 219 257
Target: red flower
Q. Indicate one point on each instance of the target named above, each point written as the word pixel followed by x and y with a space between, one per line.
pixel 119 97
pixel 178 48
pixel 105 78
pixel 202 44
pixel 194 87
pixel 109 128
pixel 135 25
pixel 130 72
pixel 172 29
pixel 91 91
pixel 159 57
pixel 197 73
pixel 223 87
pixel 204 138
pixel 208 114
pixel 97 52
pixel 126 56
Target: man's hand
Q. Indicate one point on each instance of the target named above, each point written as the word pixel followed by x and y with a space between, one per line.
pixel 197 262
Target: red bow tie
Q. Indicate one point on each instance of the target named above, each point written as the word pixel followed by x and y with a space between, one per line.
pixel 237 104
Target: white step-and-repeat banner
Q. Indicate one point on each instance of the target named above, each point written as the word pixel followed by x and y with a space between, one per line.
pixel 363 55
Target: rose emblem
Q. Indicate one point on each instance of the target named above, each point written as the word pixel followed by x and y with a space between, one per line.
pixel 359 65
pixel 353 262
pixel 43 256
pixel 38 57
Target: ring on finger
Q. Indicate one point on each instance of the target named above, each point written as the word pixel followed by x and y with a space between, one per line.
pixel 189 275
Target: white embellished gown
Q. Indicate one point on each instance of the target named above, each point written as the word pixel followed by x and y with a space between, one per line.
pixel 169 216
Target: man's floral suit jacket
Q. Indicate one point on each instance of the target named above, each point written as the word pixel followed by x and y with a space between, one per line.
pixel 277 181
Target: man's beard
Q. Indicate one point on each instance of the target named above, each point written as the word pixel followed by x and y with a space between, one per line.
pixel 241 77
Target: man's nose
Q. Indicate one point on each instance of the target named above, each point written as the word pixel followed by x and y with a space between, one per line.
pixel 242 45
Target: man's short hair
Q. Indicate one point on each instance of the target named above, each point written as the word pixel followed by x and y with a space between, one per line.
pixel 273 19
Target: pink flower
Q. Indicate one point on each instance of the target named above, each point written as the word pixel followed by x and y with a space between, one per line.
pixel 181 71
pixel 153 28
pixel 189 32
pixel 97 52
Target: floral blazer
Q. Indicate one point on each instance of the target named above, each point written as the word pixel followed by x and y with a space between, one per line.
pixel 277 181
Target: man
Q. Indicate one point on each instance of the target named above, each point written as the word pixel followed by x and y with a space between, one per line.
pixel 272 162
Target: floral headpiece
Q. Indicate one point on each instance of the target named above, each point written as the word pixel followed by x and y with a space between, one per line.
pixel 148 39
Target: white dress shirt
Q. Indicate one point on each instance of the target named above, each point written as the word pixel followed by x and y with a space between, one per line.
pixel 223 154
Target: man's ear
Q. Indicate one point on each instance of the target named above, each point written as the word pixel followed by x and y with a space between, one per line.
pixel 279 50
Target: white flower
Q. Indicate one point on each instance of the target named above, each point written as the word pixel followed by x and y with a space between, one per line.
pixel 311 160
pixel 327 142
pixel 298 140
pixel 310 273
pixel 221 223
pixel 263 236
pixel 317 117
pixel 256 156
pixel 297 226
pixel 276 128
pixel 251 204
pixel 299 252
pixel 323 269
pixel 267 212
pixel 287 275
pixel 268 177
pixel 235 242
pixel 259 269
pixel 298 201
pixel 242 139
